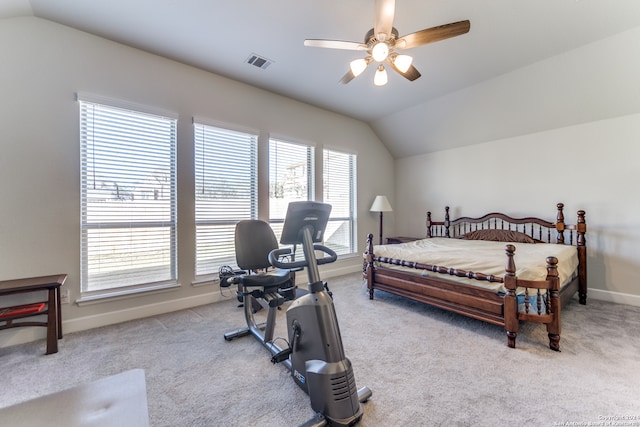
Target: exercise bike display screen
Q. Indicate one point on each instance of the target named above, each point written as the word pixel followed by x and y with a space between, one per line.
pixel 305 214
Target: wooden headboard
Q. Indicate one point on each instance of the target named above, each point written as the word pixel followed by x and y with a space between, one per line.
pixel 537 228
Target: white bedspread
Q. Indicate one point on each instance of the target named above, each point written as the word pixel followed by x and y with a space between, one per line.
pixel 483 257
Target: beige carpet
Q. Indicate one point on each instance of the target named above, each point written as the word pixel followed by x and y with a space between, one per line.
pixel 424 366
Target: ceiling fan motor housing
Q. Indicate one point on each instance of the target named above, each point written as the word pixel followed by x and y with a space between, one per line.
pixel 370 38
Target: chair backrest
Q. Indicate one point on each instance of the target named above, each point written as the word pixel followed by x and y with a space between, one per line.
pixel 254 240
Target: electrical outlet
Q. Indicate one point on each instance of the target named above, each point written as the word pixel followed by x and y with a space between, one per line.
pixel 64 296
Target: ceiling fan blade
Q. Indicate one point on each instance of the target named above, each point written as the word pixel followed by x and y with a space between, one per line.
pixel 355 71
pixel 411 74
pixel 433 34
pixel 335 44
pixel 383 21
pixel 347 78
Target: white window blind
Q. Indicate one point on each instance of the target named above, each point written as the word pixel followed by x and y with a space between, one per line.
pixel 128 198
pixel 339 188
pixel 226 192
pixel 291 178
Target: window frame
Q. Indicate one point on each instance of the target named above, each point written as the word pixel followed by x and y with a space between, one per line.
pixel 233 219
pixel 351 218
pixel 276 223
pixel 166 219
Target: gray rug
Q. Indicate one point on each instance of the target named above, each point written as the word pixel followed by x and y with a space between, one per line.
pixel 425 366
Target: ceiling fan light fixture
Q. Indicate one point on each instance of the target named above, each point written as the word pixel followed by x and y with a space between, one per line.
pixel 380 52
pixel 402 62
pixel 380 78
pixel 382 44
pixel 358 66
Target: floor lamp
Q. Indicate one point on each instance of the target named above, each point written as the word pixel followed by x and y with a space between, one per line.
pixel 381 204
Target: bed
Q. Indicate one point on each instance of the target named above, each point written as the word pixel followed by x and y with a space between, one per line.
pixel 538 266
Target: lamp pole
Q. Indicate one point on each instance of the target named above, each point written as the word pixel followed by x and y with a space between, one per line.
pixel 381 204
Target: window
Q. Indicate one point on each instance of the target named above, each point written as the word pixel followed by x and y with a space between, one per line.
pixel 291 178
pixel 226 192
pixel 339 188
pixel 128 199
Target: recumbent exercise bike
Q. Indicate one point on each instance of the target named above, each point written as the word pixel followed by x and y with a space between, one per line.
pixel 315 355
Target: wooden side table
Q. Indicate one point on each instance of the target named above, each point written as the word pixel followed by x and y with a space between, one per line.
pixel 401 239
pixel 51 284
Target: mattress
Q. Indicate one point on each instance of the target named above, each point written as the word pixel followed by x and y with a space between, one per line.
pixel 482 257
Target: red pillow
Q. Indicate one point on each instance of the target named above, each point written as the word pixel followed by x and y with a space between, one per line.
pixel 21 309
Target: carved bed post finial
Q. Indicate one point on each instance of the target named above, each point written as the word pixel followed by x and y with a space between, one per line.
pixel 581 229
pixel 560 223
pixel 510 298
pixel 429 235
pixel 369 270
pixel 553 328
pixel 582 257
pixel 447 222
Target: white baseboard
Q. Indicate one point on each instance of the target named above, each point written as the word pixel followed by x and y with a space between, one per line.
pixel 139 312
pixel 340 270
pixel 27 334
pixel 610 296
pixel 16 336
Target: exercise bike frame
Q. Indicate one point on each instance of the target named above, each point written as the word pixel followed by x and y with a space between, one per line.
pixel 263 332
pixel 316 376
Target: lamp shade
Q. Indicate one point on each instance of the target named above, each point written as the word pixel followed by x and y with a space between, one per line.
pixel 381 204
pixel 403 62
pixel 357 66
pixel 380 77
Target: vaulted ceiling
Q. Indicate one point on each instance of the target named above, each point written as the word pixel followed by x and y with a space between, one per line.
pixel 220 36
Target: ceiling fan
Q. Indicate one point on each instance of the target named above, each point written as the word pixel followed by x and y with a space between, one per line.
pixel 382 41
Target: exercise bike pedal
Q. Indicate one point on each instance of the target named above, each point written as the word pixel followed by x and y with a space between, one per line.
pixel 274 299
pixel 281 356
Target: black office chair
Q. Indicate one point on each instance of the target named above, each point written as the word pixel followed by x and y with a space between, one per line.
pixel 254 239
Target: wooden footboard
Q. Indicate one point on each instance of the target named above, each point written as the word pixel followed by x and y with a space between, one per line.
pixel 550 316
pixel 542 301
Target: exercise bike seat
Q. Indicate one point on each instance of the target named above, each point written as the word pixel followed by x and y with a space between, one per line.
pixel 254 240
pixel 271 279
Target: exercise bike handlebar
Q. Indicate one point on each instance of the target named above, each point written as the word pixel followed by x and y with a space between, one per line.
pixel 274 258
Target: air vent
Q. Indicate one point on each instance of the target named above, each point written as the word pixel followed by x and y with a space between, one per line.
pixel 259 61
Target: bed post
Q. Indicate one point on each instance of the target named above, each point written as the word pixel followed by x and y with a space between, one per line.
pixel 560 223
pixel 510 298
pixel 429 235
pixel 582 257
pixel 553 327
pixel 369 265
pixel 446 221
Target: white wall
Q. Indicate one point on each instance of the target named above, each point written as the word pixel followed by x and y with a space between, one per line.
pixel 591 165
pixel 43 66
